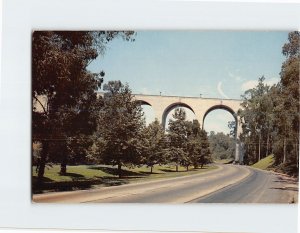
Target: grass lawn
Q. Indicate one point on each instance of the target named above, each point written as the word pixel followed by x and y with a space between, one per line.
pixel 265 163
pixel 91 176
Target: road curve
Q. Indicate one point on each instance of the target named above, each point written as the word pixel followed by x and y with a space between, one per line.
pixel 172 190
pixel 260 187
pixel 228 183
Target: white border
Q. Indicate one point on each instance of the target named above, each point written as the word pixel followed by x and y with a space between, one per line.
pixel 20 17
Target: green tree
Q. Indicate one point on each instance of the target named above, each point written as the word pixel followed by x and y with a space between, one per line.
pixel 177 135
pixel 197 145
pixel 256 108
pixel 205 156
pixel 154 143
pixel 288 107
pixel 121 124
pixel 63 91
pixel 193 143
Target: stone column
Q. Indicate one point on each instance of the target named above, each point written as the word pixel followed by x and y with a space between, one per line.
pixel 237 152
pixel 158 111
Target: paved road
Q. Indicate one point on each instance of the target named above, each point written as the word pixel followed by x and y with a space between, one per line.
pixel 228 183
pixel 259 187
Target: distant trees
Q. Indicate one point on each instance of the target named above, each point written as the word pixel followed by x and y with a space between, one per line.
pixel 270 115
pixel 222 146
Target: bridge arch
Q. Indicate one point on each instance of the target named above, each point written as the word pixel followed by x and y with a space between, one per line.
pixel 171 107
pixel 238 152
pixel 222 107
pixel 148 110
pixel 142 102
pixel 226 108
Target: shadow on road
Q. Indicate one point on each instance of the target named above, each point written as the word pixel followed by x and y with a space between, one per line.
pixel 295 189
pixel 286 180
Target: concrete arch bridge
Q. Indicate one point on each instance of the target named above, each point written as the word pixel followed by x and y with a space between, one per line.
pixel 201 107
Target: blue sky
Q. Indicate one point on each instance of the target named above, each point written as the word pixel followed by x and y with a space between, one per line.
pixel 221 64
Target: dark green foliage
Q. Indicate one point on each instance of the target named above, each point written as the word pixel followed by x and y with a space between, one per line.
pixel 198 145
pixel 154 145
pixel 188 143
pixel 120 127
pixel 222 146
pixel 177 135
pixel 65 103
pixel 205 156
pixel 255 115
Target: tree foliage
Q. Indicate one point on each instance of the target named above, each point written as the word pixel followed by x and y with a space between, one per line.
pixel 198 147
pixel 120 126
pixel 255 115
pixel 188 143
pixel 177 135
pixel 154 145
pixel 64 97
pixel 270 115
pixel 222 146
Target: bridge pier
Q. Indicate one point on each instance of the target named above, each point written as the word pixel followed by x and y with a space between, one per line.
pixel 239 153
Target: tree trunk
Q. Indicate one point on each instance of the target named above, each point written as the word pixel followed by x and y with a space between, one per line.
pixel 187 168
pixel 63 168
pixel 42 162
pixel 284 150
pixel 64 159
pixel 151 170
pixel 259 147
pixel 297 155
pixel 41 171
pixel 267 152
pixel 176 167
pixel 284 145
pixel 120 170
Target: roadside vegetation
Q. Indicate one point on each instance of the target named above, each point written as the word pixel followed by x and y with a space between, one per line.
pixel 270 115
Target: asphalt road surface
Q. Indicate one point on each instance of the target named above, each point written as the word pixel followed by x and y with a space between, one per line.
pixel 259 187
pixel 227 184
